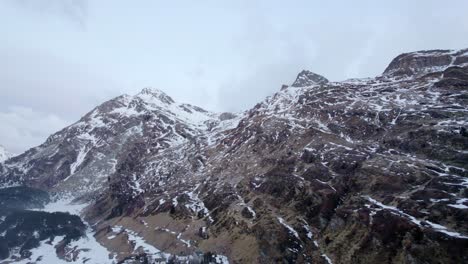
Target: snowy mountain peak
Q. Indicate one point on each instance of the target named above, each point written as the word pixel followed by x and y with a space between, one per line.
pixel 4 154
pixel 426 61
pixel 156 93
pixel 307 78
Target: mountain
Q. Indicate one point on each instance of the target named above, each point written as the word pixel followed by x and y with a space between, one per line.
pixel 4 154
pixel 359 171
pixel 87 152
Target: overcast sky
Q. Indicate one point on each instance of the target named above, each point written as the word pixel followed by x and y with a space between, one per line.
pixel 61 58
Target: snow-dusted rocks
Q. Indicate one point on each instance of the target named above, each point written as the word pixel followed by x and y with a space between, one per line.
pixel 423 62
pixel 86 153
pixel 369 169
pixel 308 78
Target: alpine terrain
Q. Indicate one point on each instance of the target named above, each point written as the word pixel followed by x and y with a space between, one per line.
pixel 371 170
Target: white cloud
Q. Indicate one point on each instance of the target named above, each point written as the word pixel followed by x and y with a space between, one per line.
pixel 23 127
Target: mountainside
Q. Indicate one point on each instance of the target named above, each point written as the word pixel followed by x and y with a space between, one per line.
pixel 86 153
pixel 367 170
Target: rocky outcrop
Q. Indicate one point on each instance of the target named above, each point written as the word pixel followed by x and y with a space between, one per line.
pixel 423 62
pixel 308 78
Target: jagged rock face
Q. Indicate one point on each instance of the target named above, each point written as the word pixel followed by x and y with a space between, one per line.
pixel 361 171
pixel 308 78
pixel 422 62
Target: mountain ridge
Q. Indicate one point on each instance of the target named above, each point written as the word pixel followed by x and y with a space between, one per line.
pixel 376 162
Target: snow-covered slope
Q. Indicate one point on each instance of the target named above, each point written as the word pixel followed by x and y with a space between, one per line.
pixel 86 153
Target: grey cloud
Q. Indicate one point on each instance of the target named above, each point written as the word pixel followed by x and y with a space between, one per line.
pixel 24 127
pixel 50 85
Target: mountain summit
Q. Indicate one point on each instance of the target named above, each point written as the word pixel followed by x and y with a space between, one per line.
pixel 376 163
pixel 308 78
pixel 156 93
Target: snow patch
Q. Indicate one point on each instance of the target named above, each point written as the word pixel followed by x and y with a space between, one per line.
pixel 421 223
pixel 327 259
pixel 291 230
